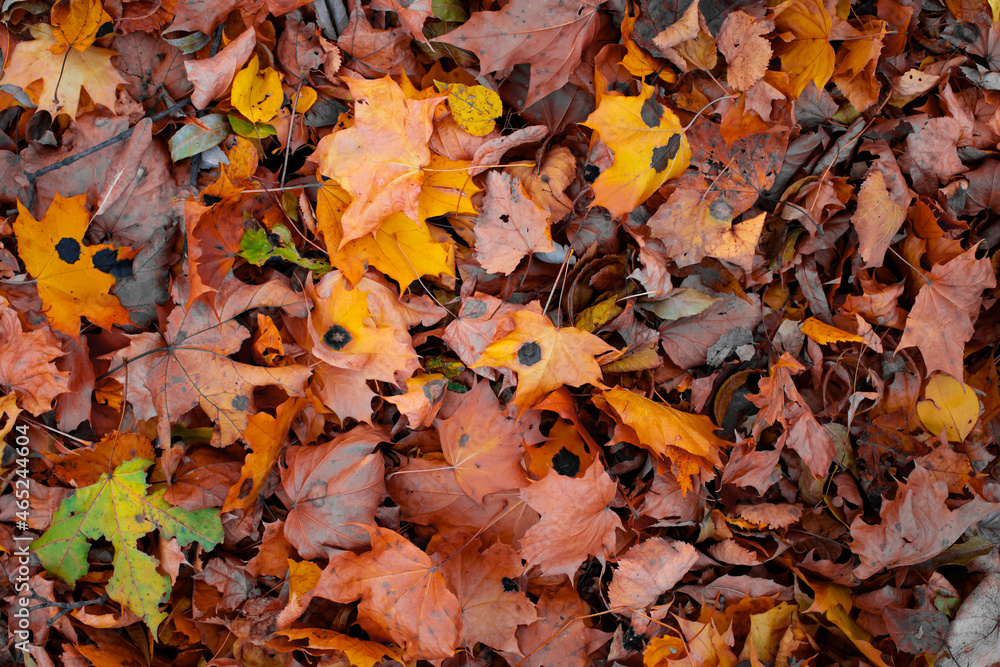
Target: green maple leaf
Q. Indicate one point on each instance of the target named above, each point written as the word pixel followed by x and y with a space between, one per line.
pixel 117 508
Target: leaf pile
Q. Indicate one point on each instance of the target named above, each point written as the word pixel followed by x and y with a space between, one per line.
pixel 531 332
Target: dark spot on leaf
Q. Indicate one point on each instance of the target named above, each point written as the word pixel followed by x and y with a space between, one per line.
pixel 211 200
pixel 662 155
pixel 337 337
pixel 651 112
pixel 474 308
pixel 529 353
pixel 590 173
pixel 68 250
pixel 105 29
pixel 434 390
pixel 504 217
pixel 240 402
pixel 106 260
pixel 510 585
pixel 245 488
pixel 463 441
pixel 566 463
pixel 720 209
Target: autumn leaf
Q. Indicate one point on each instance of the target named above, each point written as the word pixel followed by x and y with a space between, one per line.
pixel 89 70
pixel 747 52
pixel 510 227
pixel 950 407
pixel 118 508
pixel 544 357
pixel 27 363
pixel 548 35
pixel 474 108
pixel 804 26
pixel 403 595
pixel 916 525
pixel 575 521
pixel 380 160
pixel 647 570
pixel 257 93
pixel 75 24
pixel 940 322
pixel 877 218
pixel 649 146
pixel 72 278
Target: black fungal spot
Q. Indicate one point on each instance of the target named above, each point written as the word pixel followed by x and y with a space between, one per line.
pixel 240 402
pixel 68 250
pixel 105 29
pixel 630 640
pixel 106 260
pixel 504 217
pixel 510 585
pixel 651 112
pixel 590 173
pixel 566 463
pixel 211 200
pixel 337 337
pixel 529 353
pixel 245 488
pixel 662 155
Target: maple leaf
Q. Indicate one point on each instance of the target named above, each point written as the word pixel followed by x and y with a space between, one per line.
pixel 806 54
pixel 189 365
pixel 118 508
pixel 544 357
pixel 974 638
pixel 649 569
pixel 916 525
pixel 73 71
pixel 747 52
pixel 670 433
pixel 510 227
pixel 73 279
pixel 27 363
pixel 487 587
pixel 75 24
pixel 559 637
pixel 332 489
pixel 649 146
pixel 482 442
pixel 550 35
pixel 575 523
pixel 940 322
pixel 404 596
pixel 360 652
pixel 380 160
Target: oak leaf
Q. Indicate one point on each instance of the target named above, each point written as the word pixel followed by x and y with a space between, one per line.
pixel 544 357
pixel 73 279
pixel 63 76
pixel 510 227
pixel 649 147
pixel 404 596
pixel 576 521
pixel 940 322
pixel 380 160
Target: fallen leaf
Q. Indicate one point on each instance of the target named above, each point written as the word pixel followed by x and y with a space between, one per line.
pixel 950 406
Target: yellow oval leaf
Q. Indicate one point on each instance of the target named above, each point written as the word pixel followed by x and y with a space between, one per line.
pixel 949 405
pixel 475 108
pixel 824 333
pixel 256 94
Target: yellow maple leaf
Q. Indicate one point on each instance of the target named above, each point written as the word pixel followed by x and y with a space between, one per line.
pixel 649 146
pixel 89 70
pixel 805 27
pixel 73 278
pixel 75 24
pixel 544 357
